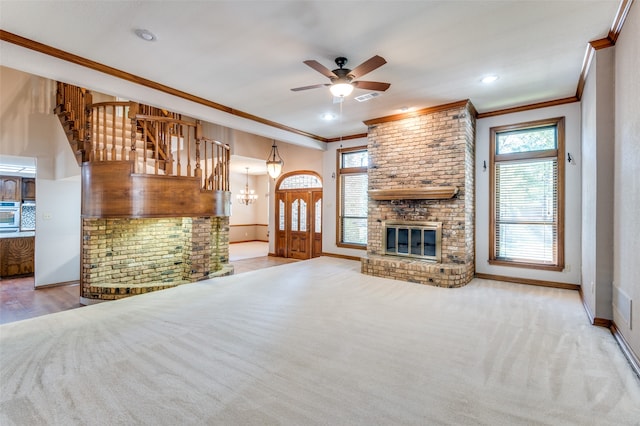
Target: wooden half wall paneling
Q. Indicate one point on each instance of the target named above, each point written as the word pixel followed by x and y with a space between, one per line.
pixel 111 190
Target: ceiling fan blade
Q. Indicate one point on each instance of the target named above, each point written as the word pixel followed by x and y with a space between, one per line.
pixel 315 86
pixel 367 66
pixel 321 68
pixel 371 85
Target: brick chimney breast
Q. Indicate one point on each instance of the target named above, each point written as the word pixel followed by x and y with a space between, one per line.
pixel 433 148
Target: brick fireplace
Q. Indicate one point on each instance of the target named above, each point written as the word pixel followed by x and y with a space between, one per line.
pixel 421 169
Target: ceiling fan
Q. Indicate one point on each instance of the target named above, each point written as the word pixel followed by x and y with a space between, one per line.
pixel 342 79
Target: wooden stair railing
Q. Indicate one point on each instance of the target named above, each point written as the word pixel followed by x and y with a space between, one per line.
pixel 216 164
pixel 156 141
pixel 71 103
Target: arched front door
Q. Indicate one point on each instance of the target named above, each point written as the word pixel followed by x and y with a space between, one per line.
pixel 299 215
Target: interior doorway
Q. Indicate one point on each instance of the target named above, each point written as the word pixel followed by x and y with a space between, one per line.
pixel 299 215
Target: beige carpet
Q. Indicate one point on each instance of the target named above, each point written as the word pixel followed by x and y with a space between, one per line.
pixel 316 342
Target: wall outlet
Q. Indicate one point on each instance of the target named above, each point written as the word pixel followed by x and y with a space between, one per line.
pixel 46 216
pixel 567 267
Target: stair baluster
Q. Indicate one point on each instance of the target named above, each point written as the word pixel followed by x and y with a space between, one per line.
pixel 102 132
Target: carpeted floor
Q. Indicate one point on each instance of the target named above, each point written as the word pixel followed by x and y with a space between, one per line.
pixel 316 342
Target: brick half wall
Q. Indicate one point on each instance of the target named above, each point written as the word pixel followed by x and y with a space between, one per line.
pixel 122 257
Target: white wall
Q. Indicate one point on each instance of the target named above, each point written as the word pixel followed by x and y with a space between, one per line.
pixel 28 128
pixel 626 246
pixel 597 185
pixel 256 214
pixel 571 273
pixel 330 209
pixel 57 256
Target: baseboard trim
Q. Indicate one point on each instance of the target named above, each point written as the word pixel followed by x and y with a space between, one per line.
pixel 341 256
pixel 248 241
pixel 593 320
pixel 540 283
pixel 601 322
pixel 631 356
pixel 587 310
pixel 61 284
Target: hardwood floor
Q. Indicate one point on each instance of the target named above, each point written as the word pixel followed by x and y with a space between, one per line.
pixel 20 300
pixel 246 265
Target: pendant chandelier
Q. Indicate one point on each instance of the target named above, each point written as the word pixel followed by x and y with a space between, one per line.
pixel 274 162
pixel 247 196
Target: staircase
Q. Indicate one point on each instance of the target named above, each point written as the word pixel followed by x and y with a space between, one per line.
pixel 150 140
pixel 142 162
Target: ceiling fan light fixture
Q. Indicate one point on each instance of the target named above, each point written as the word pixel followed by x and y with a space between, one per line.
pixel 341 90
pixel 274 162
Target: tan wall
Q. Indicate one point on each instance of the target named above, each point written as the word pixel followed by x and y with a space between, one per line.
pixel 597 185
pixel 248 232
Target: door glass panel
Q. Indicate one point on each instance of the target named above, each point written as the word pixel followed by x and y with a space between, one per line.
pixel 318 218
pixel 282 212
pixel 294 215
pixel 303 216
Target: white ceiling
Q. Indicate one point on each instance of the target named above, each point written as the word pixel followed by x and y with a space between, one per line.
pixel 247 55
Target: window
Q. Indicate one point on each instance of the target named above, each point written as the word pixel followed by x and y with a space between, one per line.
pixel 352 197
pixel 300 181
pixel 527 203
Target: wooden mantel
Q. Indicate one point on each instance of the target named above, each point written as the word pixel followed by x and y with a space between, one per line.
pixel 423 193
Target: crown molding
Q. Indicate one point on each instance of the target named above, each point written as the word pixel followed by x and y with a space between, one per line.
pixel 602 43
pixel 96 66
pixel 423 111
pixel 529 107
pixel 348 137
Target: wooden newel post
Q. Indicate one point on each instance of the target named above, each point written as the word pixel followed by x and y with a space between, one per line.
pixel 87 139
pixel 198 172
pixel 133 112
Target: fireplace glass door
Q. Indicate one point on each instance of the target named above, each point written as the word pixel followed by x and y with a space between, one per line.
pixel 420 240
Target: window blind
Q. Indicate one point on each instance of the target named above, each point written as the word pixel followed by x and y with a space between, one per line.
pixel 354 206
pixel 526 212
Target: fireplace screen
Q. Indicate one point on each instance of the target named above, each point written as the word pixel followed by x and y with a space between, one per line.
pixel 413 239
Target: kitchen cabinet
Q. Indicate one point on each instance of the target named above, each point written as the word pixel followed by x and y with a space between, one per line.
pixel 16 256
pixel 28 189
pixel 10 188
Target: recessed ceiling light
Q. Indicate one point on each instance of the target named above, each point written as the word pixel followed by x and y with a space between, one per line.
pixel 145 34
pixel 328 116
pixel 405 109
pixel 489 79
